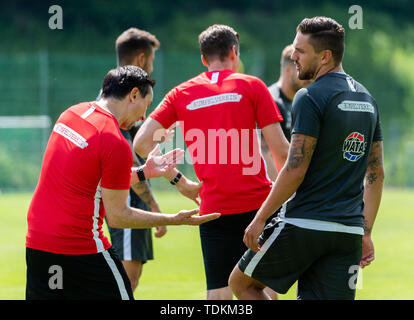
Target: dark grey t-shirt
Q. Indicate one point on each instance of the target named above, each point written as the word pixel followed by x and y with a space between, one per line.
pixel 284 105
pixel 343 116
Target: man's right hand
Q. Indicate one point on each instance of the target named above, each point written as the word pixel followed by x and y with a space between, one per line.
pixel 188 217
pixel 368 252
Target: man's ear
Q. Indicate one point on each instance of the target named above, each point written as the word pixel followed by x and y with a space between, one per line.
pixel 326 56
pixel 140 60
pixel 133 95
pixel 204 61
pixel 233 52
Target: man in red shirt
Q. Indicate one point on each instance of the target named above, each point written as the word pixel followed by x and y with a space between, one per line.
pixel 134 246
pixel 219 112
pixel 86 174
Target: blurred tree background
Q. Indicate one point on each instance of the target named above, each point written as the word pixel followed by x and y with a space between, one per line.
pixel 45 71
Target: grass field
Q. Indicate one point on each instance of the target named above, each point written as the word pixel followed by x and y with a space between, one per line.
pixel 177 271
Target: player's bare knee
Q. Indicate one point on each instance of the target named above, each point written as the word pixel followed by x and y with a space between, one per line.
pixel 237 281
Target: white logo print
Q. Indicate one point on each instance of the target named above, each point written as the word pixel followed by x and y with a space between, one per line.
pixel 71 135
pixel 356 106
pixel 214 100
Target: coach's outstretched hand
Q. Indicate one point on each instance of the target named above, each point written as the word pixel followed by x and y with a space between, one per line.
pixel 188 217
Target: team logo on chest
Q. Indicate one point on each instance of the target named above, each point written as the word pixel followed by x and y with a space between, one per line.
pixel 354 147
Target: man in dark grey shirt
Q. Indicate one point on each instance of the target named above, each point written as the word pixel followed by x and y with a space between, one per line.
pixel 343 117
pixel 330 188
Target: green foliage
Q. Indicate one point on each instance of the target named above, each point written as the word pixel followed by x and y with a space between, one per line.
pixel 8 176
pixel 379 55
pixel 20 159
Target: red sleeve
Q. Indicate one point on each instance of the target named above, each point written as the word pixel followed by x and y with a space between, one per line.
pixel 267 111
pixel 165 112
pixel 116 163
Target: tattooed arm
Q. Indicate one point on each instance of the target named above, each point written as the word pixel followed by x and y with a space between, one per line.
pixel 287 182
pixel 373 184
pixel 142 189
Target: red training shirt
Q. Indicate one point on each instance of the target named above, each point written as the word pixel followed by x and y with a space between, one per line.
pixel 86 151
pixel 219 112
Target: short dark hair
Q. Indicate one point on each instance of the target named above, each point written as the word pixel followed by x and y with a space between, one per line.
pixel 217 41
pixel 132 42
pixel 120 81
pixel 285 56
pixel 325 34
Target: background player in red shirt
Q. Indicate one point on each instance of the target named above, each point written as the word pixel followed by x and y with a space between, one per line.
pixel 229 107
pixel 86 174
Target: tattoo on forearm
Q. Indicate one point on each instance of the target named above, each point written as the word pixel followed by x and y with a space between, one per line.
pixel 374 163
pixel 301 149
pixel 296 155
pixel 375 157
pixel 371 177
pixel 141 188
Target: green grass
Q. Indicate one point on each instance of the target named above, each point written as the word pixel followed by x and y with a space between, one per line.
pixel 177 271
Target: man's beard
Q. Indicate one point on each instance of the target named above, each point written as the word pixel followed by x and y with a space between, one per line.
pixel 309 73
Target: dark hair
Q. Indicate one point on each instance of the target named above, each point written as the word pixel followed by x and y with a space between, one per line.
pixel 325 34
pixel 285 56
pixel 120 81
pixel 217 41
pixel 132 42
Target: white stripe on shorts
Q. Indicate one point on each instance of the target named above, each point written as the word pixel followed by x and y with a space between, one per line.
pixel 258 256
pixel 118 278
pixel 127 245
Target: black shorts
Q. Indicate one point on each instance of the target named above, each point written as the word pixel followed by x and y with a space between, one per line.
pixel 99 276
pixel 222 245
pixel 323 262
pixel 132 244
